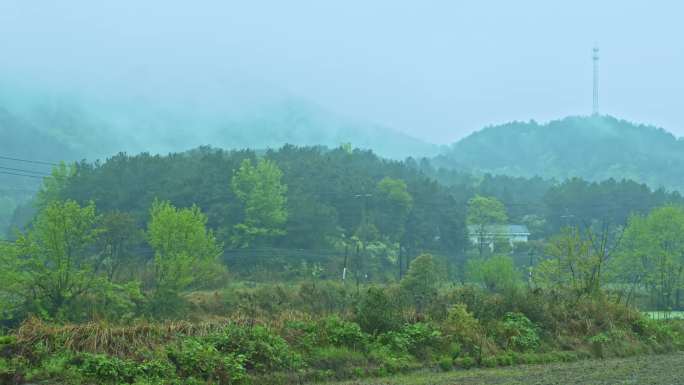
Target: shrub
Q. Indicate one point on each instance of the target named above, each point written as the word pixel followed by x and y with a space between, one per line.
pixel 598 343
pixel 421 280
pixel 377 312
pixel 446 363
pixel 655 331
pixel 194 359
pixel 454 349
pixel 7 346
pixel 489 361
pixel 324 297
pixel 528 358
pixel 464 362
pixel 417 339
pixel 520 332
pixel 8 371
pixel 155 369
pixel 302 335
pixel 7 340
pixel 339 332
pixel 506 359
pixel 460 326
pixel 341 361
pixel 497 273
pixel 391 360
pixel 263 351
pixel 105 369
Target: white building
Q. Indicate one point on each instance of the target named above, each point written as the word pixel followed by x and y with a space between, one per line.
pixel 489 233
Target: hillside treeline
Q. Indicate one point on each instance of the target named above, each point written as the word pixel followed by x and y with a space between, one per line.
pixel 331 196
pixel 593 148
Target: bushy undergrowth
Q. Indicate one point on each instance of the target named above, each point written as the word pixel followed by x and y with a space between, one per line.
pixel 376 335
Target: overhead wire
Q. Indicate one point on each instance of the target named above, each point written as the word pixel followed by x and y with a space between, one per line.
pixel 40 173
pixel 29 161
pixel 14 171
pixel 25 175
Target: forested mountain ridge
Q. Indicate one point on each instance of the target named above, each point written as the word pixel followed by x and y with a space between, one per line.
pixel 594 148
pixel 331 194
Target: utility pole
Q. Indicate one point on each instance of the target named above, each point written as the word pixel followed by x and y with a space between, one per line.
pixel 530 269
pixel 364 220
pixel 346 257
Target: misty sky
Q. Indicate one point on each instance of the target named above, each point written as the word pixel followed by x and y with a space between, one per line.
pixel 433 69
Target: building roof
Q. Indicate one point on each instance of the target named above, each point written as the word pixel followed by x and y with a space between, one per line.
pixel 509 229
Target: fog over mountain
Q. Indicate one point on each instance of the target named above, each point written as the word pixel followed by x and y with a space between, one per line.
pixel 78 125
pixel 435 70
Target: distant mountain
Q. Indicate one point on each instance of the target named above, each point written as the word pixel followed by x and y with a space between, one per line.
pixel 594 148
pixel 303 123
pixel 60 127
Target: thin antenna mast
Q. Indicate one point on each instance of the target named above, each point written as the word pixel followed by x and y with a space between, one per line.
pixel 595 57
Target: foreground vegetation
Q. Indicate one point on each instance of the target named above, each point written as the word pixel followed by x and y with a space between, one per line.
pixel 276 334
pixel 188 269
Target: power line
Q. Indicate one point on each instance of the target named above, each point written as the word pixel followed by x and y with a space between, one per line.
pixel 24 171
pixel 17 174
pixel 29 161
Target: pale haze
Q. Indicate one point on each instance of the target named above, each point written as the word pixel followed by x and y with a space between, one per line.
pixel 436 70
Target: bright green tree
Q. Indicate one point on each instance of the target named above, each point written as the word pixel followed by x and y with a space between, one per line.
pixel 484 213
pixel 56 261
pixel 53 185
pixel 497 274
pixel 185 252
pixel 119 236
pixel 421 281
pixel 262 194
pixel 393 203
pixel 578 261
pixel 652 255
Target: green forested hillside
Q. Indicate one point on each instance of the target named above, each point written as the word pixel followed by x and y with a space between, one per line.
pixel 325 194
pixel 593 148
pixel 332 197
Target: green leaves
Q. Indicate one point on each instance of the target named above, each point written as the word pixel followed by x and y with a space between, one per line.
pixel 393 204
pixel 186 253
pixel 56 261
pixel 652 253
pixel 497 274
pixel 421 281
pixel 262 195
pixel 521 333
pixel 483 211
pixel 53 185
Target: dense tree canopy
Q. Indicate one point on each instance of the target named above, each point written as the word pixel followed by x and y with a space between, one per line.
pixel 593 148
pixel 262 195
